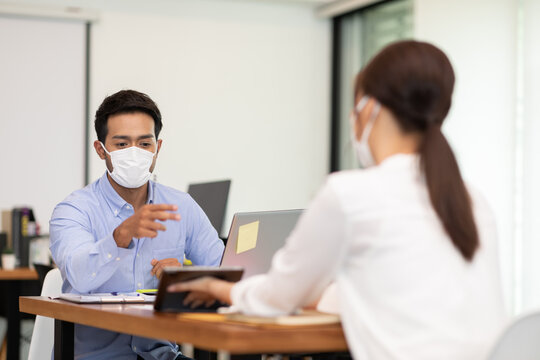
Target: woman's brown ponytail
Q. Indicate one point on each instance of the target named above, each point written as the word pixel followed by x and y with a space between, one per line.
pixel 447 191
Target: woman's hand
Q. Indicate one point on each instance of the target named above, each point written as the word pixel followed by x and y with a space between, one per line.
pixel 204 290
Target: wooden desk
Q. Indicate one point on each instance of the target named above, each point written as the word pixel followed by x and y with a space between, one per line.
pixel 205 331
pixel 19 274
pixel 11 282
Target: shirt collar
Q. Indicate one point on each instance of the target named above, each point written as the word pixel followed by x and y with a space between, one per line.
pixel 115 201
pixel 401 159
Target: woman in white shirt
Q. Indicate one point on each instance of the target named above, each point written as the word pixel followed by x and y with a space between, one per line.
pixel 411 249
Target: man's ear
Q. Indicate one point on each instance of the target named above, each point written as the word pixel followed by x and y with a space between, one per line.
pixel 159 145
pixel 99 150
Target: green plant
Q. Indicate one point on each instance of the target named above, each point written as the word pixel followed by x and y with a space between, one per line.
pixel 7 251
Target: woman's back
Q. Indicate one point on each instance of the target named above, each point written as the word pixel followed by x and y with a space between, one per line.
pixel 404 289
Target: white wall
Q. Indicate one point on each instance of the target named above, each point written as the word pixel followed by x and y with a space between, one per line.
pixel 42 72
pixel 243 89
pixel 480 39
pixel 528 257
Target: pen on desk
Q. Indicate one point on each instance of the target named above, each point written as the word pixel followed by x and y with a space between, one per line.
pixel 115 293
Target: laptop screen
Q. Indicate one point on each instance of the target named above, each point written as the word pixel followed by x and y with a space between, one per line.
pixel 212 198
pixel 255 237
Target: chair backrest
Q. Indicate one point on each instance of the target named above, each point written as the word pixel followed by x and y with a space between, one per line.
pixel 43 335
pixel 42 271
pixel 521 340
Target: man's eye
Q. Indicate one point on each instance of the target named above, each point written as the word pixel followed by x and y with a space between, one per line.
pixel 146 144
pixel 121 144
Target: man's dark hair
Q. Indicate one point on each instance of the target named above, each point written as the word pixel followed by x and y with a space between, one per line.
pixel 125 102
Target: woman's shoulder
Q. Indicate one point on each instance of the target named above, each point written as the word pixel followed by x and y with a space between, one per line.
pixel 354 186
pixel 353 176
pixel 387 173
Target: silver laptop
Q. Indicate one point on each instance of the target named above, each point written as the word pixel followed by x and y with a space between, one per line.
pixel 255 237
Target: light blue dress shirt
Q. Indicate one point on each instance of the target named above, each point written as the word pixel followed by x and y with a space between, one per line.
pixel 82 245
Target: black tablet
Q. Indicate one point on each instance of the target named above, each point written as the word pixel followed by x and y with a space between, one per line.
pixel 172 302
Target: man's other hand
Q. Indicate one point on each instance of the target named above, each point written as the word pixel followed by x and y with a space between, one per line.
pixel 158 265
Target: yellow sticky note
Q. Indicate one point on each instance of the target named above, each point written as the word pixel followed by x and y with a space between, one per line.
pixel 247 237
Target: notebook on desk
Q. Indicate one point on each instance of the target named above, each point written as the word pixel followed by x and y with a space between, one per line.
pixel 107 298
pixel 302 318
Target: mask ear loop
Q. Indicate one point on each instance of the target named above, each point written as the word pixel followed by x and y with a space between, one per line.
pixel 354 115
pixel 371 122
pixel 361 104
pixel 103 146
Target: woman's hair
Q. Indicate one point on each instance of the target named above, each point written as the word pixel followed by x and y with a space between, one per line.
pixel 415 80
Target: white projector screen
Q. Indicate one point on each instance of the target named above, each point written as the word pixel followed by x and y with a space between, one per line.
pixel 43 120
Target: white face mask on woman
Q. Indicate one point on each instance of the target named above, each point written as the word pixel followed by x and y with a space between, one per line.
pixel 131 166
pixel 361 148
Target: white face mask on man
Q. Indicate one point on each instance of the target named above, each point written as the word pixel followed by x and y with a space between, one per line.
pixel 361 148
pixel 131 166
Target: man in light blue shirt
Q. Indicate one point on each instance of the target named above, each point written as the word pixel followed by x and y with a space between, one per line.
pixel 118 233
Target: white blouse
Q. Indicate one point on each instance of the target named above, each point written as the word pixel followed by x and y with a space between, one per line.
pixel 404 290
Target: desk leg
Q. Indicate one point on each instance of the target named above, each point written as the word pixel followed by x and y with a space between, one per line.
pixel 13 320
pixel 63 340
pixel 223 355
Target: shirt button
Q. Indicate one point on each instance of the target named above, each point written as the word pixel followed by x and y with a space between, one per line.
pixel 129 207
pixel 93 274
pixel 115 212
pixel 138 255
pixel 139 285
pixel 109 256
pixel 117 259
pixel 134 348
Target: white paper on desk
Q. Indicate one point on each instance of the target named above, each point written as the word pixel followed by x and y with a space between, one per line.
pixel 100 298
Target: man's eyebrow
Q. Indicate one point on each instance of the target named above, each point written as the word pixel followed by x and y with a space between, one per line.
pixel 125 137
